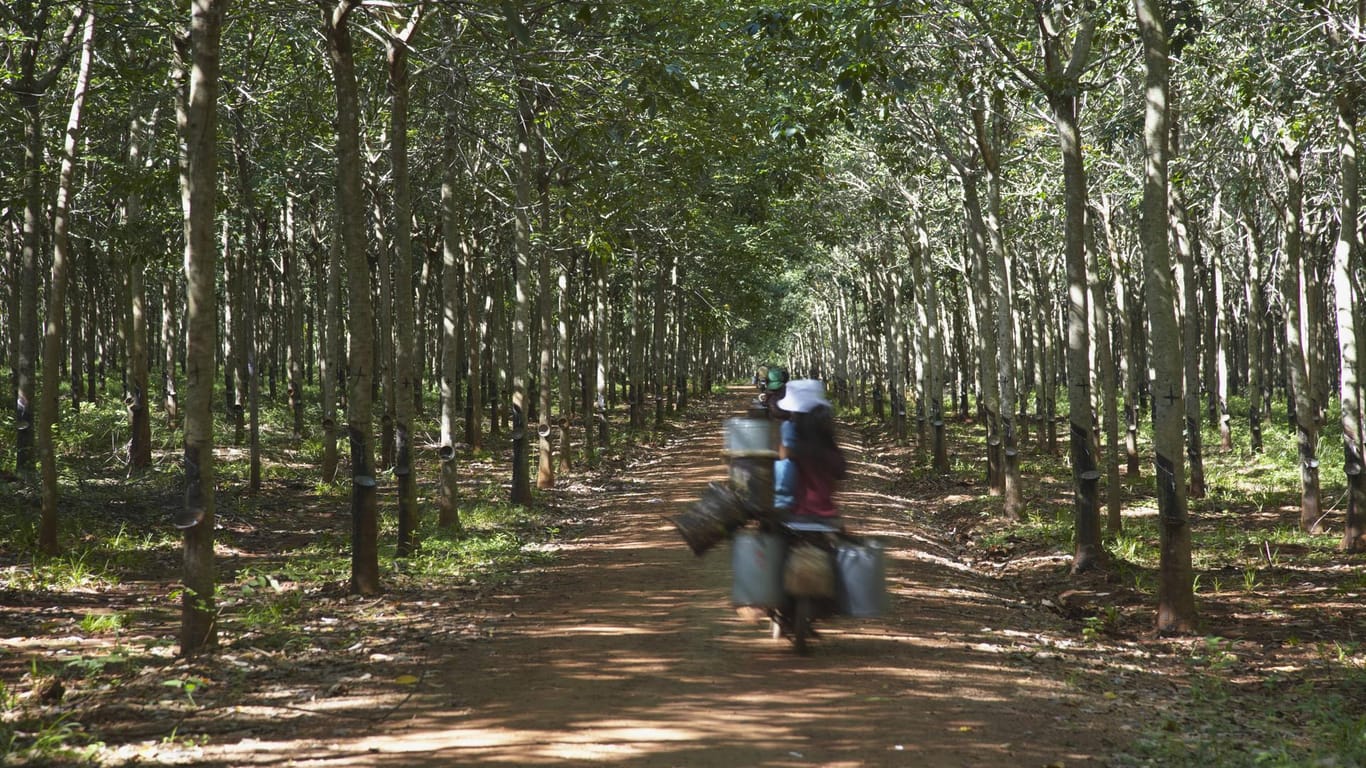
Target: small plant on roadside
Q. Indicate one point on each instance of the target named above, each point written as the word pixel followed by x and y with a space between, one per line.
pixel 188 685
pixel 1103 623
pixel 87 667
pixel 1214 654
pixel 99 623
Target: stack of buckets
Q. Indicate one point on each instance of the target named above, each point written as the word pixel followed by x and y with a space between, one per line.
pixel 758 558
pixel 724 507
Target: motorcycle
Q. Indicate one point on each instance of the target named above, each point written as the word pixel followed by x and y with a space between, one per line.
pixel 797 570
pixel 809 581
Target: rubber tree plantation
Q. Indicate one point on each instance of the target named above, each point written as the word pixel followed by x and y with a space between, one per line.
pixel 333 321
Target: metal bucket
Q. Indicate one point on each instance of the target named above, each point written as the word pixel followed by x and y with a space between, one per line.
pixel 756 561
pixel 752 479
pixel 749 437
pixel 808 572
pixel 862 571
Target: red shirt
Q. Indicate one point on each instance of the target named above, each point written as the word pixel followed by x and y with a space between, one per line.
pixel 815 489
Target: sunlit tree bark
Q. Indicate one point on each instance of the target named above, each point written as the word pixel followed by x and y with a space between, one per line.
pixel 56 304
pixel 1297 357
pixel 1348 296
pixel 405 331
pixel 1175 593
pixel 452 325
pixel 522 259
pixel 29 85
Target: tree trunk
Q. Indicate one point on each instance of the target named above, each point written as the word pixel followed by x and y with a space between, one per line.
pixel 136 393
pixel 384 327
pixel 1221 340
pixel 473 305
pixel 564 363
pixel 524 133
pixel 76 332
pixel 545 463
pixel 56 305
pixel 330 365
pixel 1297 358
pixel 360 377
pixel 1175 591
pixel 244 313
pixel 452 324
pixel 1347 296
pixel 659 337
pixel 599 409
pixel 1186 263
pixel 636 361
pixel 405 330
pixel 1105 375
pixel 985 315
pixel 1088 551
pixel 294 314
pixel 26 358
pixel 234 377
pixel 1256 320
pixel 932 344
pixel 1000 278
pixel 170 336
pixel 198 626
pixel 886 286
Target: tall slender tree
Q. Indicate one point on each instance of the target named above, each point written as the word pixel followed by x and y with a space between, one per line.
pixel 396 46
pixel 1299 358
pixel 199 191
pixel 360 372
pixel 56 304
pixel 30 83
pixel 1175 594
pixel 1346 293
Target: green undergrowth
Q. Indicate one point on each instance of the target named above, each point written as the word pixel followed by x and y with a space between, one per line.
pixel 1281 721
pixel 1284 687
pixel 283 563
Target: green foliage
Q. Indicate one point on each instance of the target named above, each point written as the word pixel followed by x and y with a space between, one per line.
pixel 189 684
pixel 98 623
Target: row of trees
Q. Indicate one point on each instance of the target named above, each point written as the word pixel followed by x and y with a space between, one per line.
pixel 1208 245
pixel 538 209
pixel 512 268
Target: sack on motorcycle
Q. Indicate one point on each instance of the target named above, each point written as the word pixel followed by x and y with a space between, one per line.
pixel 709 520
pixel 862 570
pixel 756 561
pixel 808 572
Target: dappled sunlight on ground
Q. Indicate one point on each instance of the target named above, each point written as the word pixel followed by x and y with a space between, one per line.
pixel 623 649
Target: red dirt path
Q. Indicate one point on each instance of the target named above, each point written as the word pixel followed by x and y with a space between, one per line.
pixel 626 652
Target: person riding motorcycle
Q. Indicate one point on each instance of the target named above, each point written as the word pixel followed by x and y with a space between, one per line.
pixel 816 457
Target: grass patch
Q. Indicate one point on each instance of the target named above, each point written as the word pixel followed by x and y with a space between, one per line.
pixel 1282 722
pixel 1288 690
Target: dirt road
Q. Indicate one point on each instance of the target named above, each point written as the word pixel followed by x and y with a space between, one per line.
pixel 627 652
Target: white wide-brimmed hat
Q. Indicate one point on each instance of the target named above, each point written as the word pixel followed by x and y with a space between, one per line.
pixel 803 395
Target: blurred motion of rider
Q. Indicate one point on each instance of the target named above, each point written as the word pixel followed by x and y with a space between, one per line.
pixel 816 456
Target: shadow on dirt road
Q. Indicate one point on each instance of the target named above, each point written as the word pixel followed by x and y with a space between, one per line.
pixel 626 651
